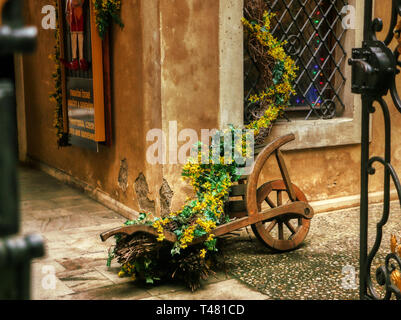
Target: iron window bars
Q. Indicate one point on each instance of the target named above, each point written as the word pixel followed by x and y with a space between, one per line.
pixel 315 36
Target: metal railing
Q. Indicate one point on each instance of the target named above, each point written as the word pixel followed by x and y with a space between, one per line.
pixel 374 70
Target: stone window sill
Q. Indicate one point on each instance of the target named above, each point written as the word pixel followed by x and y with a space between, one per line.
pixel 319 133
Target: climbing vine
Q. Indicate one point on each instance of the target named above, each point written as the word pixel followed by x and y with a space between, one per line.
pixel 277 96
pixel 57 95
pixel 107 12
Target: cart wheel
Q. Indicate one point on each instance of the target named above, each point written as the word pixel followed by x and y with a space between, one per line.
pixel 284 233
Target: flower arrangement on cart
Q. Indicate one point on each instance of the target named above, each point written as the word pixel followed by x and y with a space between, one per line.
pixel 184 244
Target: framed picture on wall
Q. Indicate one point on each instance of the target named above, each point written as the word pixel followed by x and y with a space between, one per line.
pixel 85 62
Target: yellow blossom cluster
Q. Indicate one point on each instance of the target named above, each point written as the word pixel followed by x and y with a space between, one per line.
pixel 194 170
pixel 283 89
pixel 208 225
pixel 158 225
pixel 127 269
pixel 215 201
pixel 208 207
pixel 188 236
pixel 105 12
pixel 113 3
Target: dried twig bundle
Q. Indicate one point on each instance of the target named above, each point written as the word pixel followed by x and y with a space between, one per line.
pixel 263 61
pixel 188 266
pixel 130 248
pixel 253 11
pixel 191 268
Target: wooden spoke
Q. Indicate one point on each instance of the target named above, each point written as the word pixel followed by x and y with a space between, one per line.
pixel 279 198
pixel 269 202
pixel 290 227
pixel 280 231
pixel 285 175
pixel 271 226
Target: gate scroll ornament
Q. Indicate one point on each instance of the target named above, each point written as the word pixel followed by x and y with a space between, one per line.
pixel 374 70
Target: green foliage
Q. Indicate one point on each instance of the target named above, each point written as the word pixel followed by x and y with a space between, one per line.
pixel 57 95
pixel 107 12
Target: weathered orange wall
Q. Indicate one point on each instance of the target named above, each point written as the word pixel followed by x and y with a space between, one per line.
pixel 165 67
pixel 133 76
pixel 183 82
pixel 190 73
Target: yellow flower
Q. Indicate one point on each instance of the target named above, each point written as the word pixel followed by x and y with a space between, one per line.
pixel 211 237
pixel 206 225
pixel 158 225
pixel 203 253
pixel 187 237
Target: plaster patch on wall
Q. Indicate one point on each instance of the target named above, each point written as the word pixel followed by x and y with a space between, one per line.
pixel 123 175
pixel 166 194
pixel 142 191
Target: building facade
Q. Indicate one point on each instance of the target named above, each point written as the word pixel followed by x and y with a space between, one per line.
pixel 177 65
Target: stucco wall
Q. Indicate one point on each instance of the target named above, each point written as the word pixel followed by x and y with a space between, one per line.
pixel 190 74
pixel 136 103
pixel 165 67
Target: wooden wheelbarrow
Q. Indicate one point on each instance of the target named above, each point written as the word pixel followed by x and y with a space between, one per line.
pixel 277 211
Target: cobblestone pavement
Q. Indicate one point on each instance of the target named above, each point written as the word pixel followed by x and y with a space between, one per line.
pixel 75 263
pixel 315 270
pixel 70 223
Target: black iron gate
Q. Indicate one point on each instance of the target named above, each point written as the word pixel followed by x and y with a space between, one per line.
pixel 374 70
pixel 15 252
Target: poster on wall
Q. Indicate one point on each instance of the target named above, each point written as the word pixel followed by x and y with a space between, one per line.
pixel 81 112
pixel 82 58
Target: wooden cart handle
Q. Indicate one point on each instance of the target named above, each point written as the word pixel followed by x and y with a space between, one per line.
pixel 129 230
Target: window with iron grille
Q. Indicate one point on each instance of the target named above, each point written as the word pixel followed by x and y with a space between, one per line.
pixel 315 39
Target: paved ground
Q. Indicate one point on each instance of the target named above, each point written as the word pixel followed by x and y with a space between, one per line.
pixel 325 267
pixel 70 223
pixel 75 262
